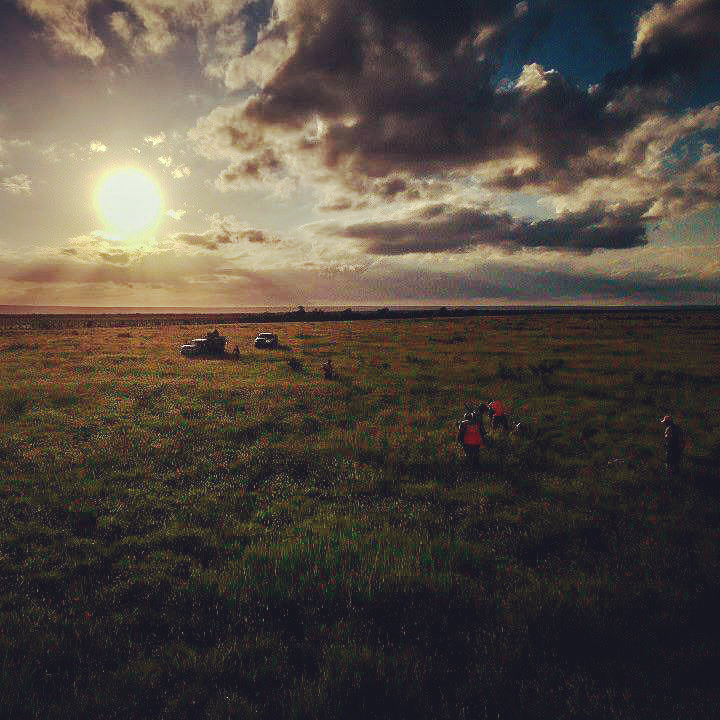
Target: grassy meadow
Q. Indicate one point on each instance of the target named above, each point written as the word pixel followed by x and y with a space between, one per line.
pixel 219 538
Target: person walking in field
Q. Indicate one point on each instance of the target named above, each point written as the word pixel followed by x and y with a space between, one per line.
pixel 327 369
pixel 471 433
pixel 674 444
pixel 498 416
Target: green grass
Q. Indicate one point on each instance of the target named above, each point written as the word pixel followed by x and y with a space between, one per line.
pixel 215 538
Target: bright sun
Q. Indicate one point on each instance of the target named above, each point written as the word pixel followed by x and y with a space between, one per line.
pixel 128 201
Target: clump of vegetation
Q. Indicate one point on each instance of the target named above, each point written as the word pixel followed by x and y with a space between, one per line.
pixel 505 372
pixel 457 338
pixel 13 347
pixel 296 365
pixel 545 369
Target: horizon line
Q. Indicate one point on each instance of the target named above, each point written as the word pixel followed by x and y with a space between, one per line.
pixel 10 309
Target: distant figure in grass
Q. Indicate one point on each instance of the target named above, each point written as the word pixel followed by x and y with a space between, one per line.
pixel 471 432
pixel 498 416
pixel 328 370
pixel 236 353
pixel 674 444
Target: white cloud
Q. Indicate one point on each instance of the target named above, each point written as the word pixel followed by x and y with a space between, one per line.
pixel 17 184
pixel 181 171
pixel 67 24
pixel 534 78
pixel 147 27
pixel 120 23
pixel 165 160
pixel 176 214
pixel 239 69
pixel 155 139
pixel 98 147
pixel 648 170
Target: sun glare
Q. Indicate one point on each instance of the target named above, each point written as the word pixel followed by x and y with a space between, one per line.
pixel 128 201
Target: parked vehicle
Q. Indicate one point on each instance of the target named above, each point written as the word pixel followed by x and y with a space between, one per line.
pixel 212 344
pixel 266 340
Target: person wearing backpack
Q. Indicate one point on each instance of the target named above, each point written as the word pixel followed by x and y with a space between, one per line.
pixel 471 433
pixel 674 442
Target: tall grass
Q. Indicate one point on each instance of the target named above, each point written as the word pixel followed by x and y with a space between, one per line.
pixel 187 538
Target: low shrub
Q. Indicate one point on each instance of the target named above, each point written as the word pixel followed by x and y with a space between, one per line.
pixel 296 365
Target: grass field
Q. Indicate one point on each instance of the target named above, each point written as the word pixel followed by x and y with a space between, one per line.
pixel 217 538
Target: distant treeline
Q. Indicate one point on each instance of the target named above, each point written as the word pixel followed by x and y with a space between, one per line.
pixel 79 320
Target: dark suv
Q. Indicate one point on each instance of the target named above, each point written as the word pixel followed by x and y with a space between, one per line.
pixel 212 344
pixel 266 340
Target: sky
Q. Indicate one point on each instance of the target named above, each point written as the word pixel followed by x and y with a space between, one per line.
pixel 230 153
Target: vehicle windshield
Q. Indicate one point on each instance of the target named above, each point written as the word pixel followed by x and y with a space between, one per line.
pixel 266 335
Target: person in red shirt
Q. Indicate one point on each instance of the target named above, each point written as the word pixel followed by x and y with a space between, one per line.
pixel 498 416
pixel 471 433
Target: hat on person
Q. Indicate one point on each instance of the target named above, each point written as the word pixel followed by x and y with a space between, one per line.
pixel 667 419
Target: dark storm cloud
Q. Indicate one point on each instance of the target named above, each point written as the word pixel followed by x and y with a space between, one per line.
pixel 405 71
pixel 518 284
pixel 420 99
pixel 390 188
pixel 256 236
pixel 409 89
pixel 443 228
pixel 265 161
pixel 503 281
pixel 379 192
pixel 258 168
pixel 681 38
pixel 410 86
pixel 211 240
pixel 215 238
pixel 337 204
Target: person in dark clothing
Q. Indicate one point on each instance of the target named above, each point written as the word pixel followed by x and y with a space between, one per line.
pixel 674 443
pixel 498 416
pixel 328 370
